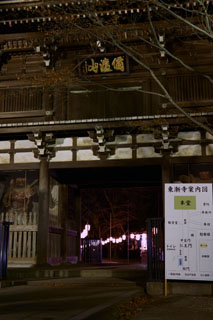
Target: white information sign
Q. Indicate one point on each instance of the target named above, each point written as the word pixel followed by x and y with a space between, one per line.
pixel 188 232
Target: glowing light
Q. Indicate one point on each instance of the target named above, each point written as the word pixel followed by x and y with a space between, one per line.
pixel 144 241
pixel 138 236
pixel 85 232
pixel 155 230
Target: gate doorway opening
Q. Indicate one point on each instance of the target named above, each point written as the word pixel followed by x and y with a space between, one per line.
pixel 112 204
pixel 118 215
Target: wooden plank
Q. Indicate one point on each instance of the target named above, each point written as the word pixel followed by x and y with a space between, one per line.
pixel 23 262
pixel 21 114
pixel 21 166
pixel 19 243
pixel 10 244
pixel 34 244
pixel 29 244
pixel 24 228
pixel 24 244
pixel 14 255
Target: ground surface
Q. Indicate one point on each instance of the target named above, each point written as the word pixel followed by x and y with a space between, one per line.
pixel 67 299
pixel 96 298
pixel 178 308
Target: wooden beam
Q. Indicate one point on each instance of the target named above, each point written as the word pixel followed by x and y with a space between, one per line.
pixel 21 114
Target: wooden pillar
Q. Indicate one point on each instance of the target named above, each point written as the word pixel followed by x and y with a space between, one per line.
pixel 63 205
pixel 43 221
pixel 77 206
pixel 166 169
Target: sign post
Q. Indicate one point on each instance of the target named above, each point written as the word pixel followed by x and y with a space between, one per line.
pixel 188 232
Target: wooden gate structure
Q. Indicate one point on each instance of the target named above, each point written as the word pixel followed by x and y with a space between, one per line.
pixel 84 85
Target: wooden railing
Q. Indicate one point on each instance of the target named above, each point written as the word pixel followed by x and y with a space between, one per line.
pixel 22 238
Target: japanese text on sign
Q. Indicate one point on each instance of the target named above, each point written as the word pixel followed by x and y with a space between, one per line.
pixel 104 64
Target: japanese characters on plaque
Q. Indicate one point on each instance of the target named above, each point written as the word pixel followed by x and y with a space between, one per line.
pixel 188 232
pixel 104 65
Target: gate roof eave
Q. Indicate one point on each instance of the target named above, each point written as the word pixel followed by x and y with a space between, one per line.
pixel 67 128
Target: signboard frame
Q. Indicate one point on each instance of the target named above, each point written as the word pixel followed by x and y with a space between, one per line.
pixel 188 232
pixel 94 61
